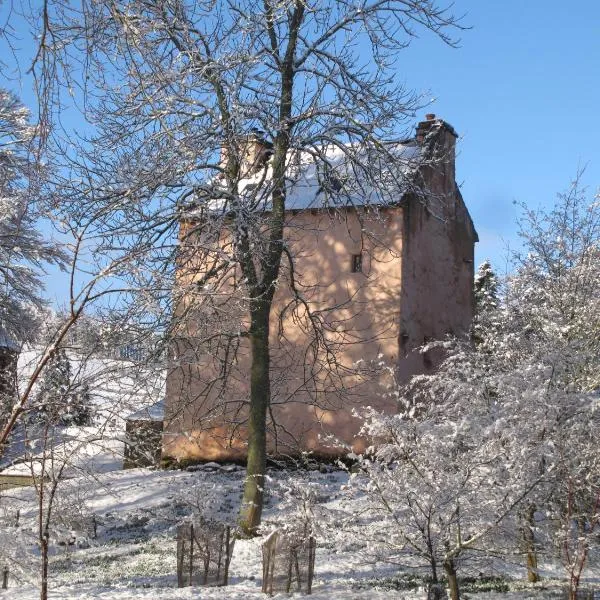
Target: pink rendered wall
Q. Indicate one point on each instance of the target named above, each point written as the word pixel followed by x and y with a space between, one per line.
pixel 316 378
pixel 437 261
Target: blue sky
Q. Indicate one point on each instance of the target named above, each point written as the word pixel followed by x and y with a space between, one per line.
pixel 522 90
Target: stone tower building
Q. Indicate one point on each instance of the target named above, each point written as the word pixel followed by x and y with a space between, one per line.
pixel 370 282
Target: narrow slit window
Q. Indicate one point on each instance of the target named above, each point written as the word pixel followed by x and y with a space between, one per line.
pixel 356 264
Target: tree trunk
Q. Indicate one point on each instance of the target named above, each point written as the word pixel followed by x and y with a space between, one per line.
pixel 260 395
pixel 435 590
pixel 433 565
pixel 450 570
pixel 44 553
pixel 575 595
pixel 529 544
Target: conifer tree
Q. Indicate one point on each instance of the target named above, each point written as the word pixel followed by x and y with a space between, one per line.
pixel 58 400
pixel 486 288
pixel 78 409
pixel 485 295
pixel 23 250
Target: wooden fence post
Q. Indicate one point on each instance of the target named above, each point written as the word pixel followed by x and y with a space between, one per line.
pixel 227 555
pixel 191 552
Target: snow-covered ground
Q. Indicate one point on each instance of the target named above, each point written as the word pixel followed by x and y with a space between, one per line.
pixel 136 512
pixel 134 552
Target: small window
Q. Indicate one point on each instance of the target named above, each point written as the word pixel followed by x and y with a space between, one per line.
pixel 356 264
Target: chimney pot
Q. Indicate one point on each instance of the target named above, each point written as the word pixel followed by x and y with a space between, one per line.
pixel 256 151
pixel 430 116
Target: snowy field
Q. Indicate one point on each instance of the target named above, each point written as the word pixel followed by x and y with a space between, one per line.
pixel 133 554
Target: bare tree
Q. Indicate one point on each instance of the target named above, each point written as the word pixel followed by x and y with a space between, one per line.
pixel 174 89
pixel 554 296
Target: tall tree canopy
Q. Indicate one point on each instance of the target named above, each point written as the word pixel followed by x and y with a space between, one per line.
pixel 174 89
pixel 23 249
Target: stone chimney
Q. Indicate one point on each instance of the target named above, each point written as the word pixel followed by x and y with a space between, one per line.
pixel 438 140
pixel 254 152
pixel 432 124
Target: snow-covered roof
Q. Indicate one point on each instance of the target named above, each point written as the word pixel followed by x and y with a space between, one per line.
pixel 328 178
pixel 7 342
pixel 156 412
pixel 339 185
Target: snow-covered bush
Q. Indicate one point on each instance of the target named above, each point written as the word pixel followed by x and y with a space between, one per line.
pixel 448 468
pixel 508 425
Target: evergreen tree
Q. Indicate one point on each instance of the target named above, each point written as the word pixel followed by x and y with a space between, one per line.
pixel 78 410
pixel 58 399
pixel 485 293
pixel 23 250
pixel 486 288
